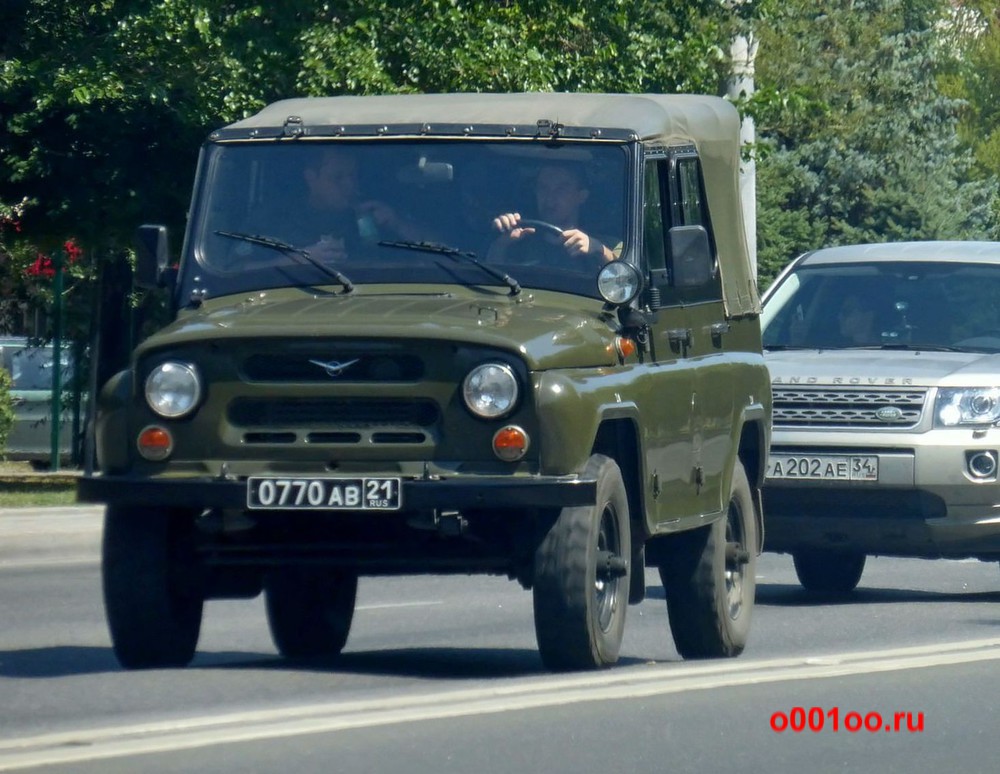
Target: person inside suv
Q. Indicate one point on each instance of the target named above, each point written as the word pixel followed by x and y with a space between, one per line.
pixel 855 321
pixel 560 193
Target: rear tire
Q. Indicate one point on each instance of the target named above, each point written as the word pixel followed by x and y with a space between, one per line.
pixel 153 586
pixel 309 610
pixel 710 579
pixel 581 577
pixel 823 571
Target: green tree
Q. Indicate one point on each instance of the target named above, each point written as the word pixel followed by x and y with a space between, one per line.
pixel 973 35
pixel 858 141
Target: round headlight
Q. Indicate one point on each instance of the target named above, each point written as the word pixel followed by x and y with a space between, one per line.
pixel 619 282
pixel 490 390
pixel 173 389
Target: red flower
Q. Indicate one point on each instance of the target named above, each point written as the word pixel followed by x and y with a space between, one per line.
pixel 42 267
pixel 73 250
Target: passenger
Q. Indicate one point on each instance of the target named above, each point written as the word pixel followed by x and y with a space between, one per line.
pixel 335 220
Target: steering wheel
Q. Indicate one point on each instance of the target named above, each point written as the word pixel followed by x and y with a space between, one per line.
pixel 541 227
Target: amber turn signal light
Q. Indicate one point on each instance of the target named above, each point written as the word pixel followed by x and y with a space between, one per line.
pixel 625 347
pixel 510 443
pixel 155 443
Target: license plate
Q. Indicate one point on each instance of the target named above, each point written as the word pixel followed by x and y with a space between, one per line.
pixel 823 467
pixel 326 494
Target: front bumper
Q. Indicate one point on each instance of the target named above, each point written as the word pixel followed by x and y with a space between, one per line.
pixel 466 492
pixel 924 504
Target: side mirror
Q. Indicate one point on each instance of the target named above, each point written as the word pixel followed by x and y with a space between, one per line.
pixel 691 256
pixel 152 256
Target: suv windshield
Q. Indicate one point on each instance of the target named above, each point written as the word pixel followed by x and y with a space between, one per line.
pixel 919 305
pixel 268 213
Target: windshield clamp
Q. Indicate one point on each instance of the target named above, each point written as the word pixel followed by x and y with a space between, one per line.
pixel 293 126
pixel 552 128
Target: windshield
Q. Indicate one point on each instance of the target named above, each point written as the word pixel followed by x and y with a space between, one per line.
pixel 31 368
pixel 268 214
pixel 918 305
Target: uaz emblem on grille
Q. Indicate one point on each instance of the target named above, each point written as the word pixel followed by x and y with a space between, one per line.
pixel 334 368
pixel 889 414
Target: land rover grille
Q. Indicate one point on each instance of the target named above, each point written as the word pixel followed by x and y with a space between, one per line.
pixel 864 407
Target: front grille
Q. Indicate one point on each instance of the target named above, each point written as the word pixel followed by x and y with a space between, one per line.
pixel 331 412
pixel 864 407
pixel 308 366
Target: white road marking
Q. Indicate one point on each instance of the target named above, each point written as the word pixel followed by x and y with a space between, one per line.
pixel 90 744
pixel 394 605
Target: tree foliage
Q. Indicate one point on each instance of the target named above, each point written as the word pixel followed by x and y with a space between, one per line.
pixel 103 104
pixel 859 141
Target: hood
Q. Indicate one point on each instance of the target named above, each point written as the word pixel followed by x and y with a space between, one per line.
pixel 547 330
pixel 882 368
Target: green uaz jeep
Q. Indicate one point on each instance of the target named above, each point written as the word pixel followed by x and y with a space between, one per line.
pixel 458 333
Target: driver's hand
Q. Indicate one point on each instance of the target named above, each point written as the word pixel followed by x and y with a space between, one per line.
pixel 576 242
pixel 508 224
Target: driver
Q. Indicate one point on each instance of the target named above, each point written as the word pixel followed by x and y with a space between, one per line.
pixel 560 192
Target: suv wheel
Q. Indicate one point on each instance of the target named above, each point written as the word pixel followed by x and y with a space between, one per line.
pixel 710 579
pixel 581 579
pixel 309 610
pixel 153 595
pixel 829 572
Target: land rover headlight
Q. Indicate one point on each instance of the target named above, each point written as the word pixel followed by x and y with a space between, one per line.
pixel 173 389
pixel 490 390
pixel 967 406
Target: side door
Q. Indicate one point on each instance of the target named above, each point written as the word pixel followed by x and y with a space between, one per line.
pixel 667 415
pixel 709 335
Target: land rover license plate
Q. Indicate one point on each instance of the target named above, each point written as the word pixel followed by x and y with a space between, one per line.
pixel 823 467
pixel 324 493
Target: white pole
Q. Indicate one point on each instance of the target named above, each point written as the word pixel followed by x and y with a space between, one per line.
pixel 743 52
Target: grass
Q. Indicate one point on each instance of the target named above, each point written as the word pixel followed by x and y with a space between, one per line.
pixel 36 497
pixel 22 487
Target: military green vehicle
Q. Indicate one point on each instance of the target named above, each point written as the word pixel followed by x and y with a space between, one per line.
pixel 488 333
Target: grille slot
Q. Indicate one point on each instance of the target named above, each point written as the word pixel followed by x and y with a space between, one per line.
pixel 332 412
pixel 824 407
pixel 269 438
pixel 333 438
pixel 299 367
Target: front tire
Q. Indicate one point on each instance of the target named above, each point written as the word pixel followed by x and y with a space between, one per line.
pixel 829 572
pixel 309 610
pixel 710 579
pixel 581 577
pixel 153 586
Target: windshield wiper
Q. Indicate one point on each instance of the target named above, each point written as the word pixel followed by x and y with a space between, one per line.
pixel 921 347
pixel 465 255
pixel 287 249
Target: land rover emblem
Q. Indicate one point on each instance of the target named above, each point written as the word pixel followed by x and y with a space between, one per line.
pixel 334 368
pixel 889 414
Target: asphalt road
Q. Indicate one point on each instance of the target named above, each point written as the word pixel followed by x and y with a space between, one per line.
pixel 441 674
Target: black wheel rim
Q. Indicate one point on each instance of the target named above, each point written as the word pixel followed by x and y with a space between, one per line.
pixel 736 567
pixel 606 581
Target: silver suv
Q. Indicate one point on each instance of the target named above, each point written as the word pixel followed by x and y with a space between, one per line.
pixel 885 368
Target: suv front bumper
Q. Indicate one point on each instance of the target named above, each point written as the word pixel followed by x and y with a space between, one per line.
pixel 924 504
pixel 466 492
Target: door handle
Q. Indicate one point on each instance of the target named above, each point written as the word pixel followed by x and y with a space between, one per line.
pixel 679 336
